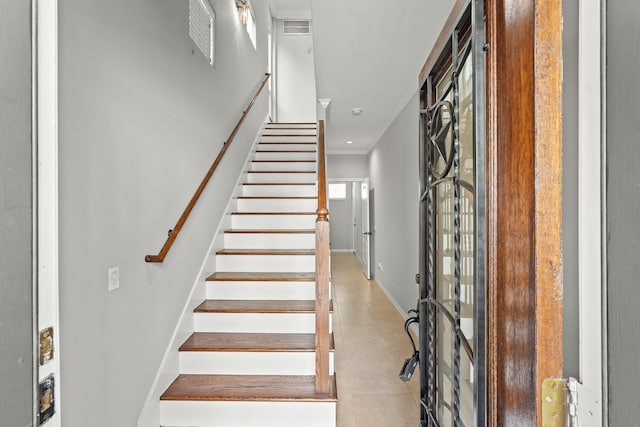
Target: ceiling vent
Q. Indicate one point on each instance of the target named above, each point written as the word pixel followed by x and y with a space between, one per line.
pixel 202 20
pixel 297 27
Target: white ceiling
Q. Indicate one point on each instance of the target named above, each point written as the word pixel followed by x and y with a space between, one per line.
pixel 287 9
pixel 368 54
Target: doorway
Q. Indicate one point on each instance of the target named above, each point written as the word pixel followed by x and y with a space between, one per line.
pixel 490 303
pixel 349 207
pixel 451 297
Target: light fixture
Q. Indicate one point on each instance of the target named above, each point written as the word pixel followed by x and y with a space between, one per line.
pixel 243 11
pixel 348 142
pixel 356 111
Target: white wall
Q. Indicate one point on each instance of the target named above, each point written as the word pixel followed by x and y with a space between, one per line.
pixel 347 166
pixel 142 116
pixel 296 79
pixel 393 168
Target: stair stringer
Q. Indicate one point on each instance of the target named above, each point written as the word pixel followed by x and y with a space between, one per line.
pixel 169 366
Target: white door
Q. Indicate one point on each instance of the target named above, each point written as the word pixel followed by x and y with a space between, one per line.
pixel 366 230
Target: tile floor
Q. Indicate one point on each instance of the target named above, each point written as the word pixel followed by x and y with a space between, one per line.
pixel 371 346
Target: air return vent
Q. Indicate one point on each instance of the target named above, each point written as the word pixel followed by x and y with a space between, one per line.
pixel 299 27
pixel 202 20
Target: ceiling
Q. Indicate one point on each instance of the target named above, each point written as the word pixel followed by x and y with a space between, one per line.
pixel 368 54
pixel 287 9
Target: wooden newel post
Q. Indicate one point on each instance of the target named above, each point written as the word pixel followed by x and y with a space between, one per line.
pixel 322 273
pixel 322 302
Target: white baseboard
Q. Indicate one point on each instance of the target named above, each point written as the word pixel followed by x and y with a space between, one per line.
pixel 403 313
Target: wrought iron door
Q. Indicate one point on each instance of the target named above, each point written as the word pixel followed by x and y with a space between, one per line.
pixel 452 307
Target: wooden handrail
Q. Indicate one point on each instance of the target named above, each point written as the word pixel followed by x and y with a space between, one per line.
pixel 173 234
pixel 322 175
pixel 322 273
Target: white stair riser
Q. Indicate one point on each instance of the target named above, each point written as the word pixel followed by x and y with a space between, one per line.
pixel 269 241
pixel 283 166
pixel 270 177
pixel 261 290
pixel 285 156
pixel 278 222
pixel 283 323
pixel 287 146
pixel 247 414
pixel 277 205
pixel 289 138
pixel 280 190
pixel 284 131
pixel 250 363
pixel 266 263
pixel 292 125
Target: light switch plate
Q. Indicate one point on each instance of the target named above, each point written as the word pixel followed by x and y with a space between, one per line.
pixel 114 277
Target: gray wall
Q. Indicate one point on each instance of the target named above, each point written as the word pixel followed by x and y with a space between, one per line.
pixel 141 117
pixel 347 166
pixel 623 211
pixel 16 287
pixel 393 171
pixel 570 189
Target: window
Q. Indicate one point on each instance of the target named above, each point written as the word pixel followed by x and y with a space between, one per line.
pixel 202 20
pixel 251 27
pixel 247 18
pixel 338 191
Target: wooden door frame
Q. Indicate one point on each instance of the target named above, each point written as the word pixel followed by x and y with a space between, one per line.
pixel 524 206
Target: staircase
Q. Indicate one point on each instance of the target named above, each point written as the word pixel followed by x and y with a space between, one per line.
pixel 251 360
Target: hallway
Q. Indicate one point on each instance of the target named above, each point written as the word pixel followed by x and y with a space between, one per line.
pixel 370 348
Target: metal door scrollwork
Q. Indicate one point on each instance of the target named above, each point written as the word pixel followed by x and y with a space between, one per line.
pixel 449 299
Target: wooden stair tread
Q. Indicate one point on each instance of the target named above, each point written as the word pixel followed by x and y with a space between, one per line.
pixel 266 252
pixel 291 123
pixel 289 142
pixel 290 128
pixel 285 151
pixel 281 172
pixel 277 197
pixel 283 161
pixel 261 277
pixel 247 388
pixel 297 135
pixel 279 183
pixel 273 213
pixel 251 342
pixel 282 126
pixel 270 231
pixel 257 306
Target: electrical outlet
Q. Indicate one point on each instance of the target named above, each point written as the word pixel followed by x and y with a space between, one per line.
pixel 113 274
pixel 380 266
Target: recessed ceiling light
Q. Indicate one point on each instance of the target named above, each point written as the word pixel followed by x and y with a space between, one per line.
pixel 356 111
pixel 348 142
